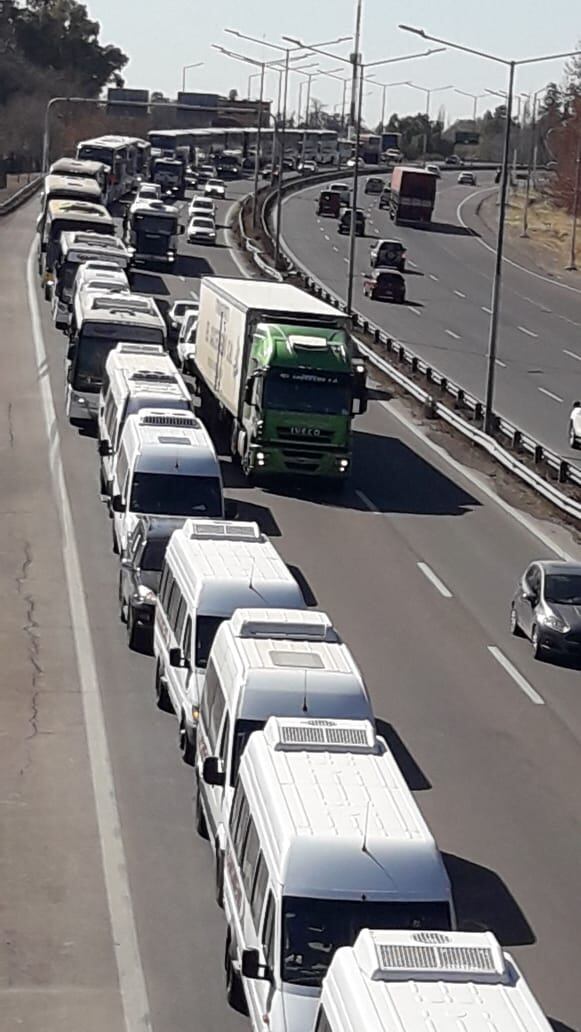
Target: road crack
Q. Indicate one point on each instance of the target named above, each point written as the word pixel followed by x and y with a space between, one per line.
pixel 31 631
pixel 11 436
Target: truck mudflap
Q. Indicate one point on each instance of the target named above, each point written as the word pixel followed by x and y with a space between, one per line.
pixel 298 461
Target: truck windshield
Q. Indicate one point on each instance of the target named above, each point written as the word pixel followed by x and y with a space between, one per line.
pixel 175 494
pixel 312 929
pixel 307 392
pixel 163 225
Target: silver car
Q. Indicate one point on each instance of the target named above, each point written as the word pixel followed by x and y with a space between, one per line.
pixel 546 607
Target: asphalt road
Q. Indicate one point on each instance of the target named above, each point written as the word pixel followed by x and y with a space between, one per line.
pixel 416 567
pixel 446 317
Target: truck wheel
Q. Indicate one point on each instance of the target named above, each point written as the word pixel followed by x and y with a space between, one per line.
pixel 162 698
pixel 234 988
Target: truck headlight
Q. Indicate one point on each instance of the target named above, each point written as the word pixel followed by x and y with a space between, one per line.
pixel 260 458
pixel 195 714
pixel 258 428
pixel 343 464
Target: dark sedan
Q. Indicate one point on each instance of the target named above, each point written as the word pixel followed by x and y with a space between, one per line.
pixel 140 574
pixel 546 607
pixel 384 285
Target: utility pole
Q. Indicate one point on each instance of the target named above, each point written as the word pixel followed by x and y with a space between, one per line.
pixel 355 59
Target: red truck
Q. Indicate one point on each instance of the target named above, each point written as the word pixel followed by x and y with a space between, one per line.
pixel 413 194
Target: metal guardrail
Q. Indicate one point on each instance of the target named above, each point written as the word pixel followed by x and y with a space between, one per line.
pixel 557 469
pixel 20 196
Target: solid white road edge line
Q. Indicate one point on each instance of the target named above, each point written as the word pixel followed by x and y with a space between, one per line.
pixel 515 265
pixel 473 478
pixel 435 580
pixel 516 676
pixel 124 935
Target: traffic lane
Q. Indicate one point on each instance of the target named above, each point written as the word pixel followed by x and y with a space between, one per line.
pixel 57 955
pixel 480 563
pixel 180 929
pixel 446 327
pixel 457 721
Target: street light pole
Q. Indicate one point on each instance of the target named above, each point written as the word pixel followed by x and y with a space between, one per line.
pixel 258 142
pixel 532 147
pixel 351 272
pixel 196 64
pixel 572 266
pixel 281 147
pixel 489 420
pixel 355 58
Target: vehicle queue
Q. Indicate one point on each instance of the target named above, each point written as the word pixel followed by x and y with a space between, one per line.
pixel 337 902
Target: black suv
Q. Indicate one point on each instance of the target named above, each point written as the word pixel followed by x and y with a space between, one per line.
pixel 140 574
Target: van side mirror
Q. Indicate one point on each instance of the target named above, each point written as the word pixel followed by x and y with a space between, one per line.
pixel 104 449
pixel 117 503
pixel 213 772
pixel 181 230
pixel 248 391
pixel 251 966
pixel 176 658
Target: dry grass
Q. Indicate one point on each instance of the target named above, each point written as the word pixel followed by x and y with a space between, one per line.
pixel 549 227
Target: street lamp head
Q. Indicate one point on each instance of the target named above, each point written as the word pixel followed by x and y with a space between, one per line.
pixel 410 28
pixel 233 32
pixel 290 39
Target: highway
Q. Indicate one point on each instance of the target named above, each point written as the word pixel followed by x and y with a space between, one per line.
pixel 416 565
pixel 446 317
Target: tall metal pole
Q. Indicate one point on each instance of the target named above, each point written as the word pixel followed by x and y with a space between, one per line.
pixel 383 98
pixel 258 140
pixel 572 266
pixel 343 105
pixel 525 213
pixel 355 59
pixel 351 265
pixel 497 280
pixel 474 110
pixel 428 98
pixel 281 166
pixel 306 118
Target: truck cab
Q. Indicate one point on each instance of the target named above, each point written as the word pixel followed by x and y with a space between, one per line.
pixel 152 230
pixel 170 175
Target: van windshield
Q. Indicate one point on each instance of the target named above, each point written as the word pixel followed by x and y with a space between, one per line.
pixel 312 929
pixel 175 494
pixel 89 362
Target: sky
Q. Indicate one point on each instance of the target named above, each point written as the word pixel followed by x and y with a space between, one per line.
pixel 160 38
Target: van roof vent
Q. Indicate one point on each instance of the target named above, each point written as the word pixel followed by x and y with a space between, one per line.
pixel 183 441
pixel 315 627
pixel 125 348
pixel 171 420
pixel 478 962
pixel 323 735
pixel 223 530
pixel 152 376
pixel 129 303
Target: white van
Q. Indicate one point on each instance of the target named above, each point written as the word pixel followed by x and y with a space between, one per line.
pixel 136 376
pixel 165 466
pixel 324 838
pixel 421 982
pixel 101 277
pixel 75 250
pixel 211 569
pixel 263 663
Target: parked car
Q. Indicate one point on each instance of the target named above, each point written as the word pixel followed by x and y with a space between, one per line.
pixel 384 285
pixel 467 178
pixel 374 185
pixel 546 607
pixel 388 254
pixel 345 222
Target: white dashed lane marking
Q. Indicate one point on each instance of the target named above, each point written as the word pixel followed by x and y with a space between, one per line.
pixel 549 394
pixel 452 334
pixel 516 676
pixel 459 293
pixel 529 333
pixel 435 580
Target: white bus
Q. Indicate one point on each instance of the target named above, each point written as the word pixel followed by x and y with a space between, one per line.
pixel 99 322
pixel 328 147
pixel 121 154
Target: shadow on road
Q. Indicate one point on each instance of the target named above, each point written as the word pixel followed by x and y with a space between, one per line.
pixel 307 592
pixel 191 265
pixel 148 283
pixel 449 228
pixel 414 776
pixel 398 480
pixel 484 902
pixel 559 1026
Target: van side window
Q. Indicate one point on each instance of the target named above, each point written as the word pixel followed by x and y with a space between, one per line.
pixel 180 618
pixel 267 937
pixel 172 606
pixel 322 1024
pixel 249 857
pixel 165 585
pixel 239 834
pixel 259 887
pixel 109 415
pixel 213 704
pixel 224 741
pixel 237 801
pixel 187 642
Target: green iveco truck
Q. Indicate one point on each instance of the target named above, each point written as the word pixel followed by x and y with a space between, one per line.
pixel 276 366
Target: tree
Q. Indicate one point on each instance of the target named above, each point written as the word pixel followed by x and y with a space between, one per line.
pixel 573 74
